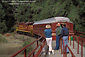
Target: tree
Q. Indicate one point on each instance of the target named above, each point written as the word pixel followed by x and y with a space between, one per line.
pixel 73 9
pixel 2 13
pixel 43 9
pixel 8 18
pixel 3 27
pixel 22 13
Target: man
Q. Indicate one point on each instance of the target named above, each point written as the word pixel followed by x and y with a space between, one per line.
pixel 58 34
pixel 48 36
pixel 64 34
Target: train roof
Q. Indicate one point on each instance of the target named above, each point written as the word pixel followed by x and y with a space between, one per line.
pixel 53 20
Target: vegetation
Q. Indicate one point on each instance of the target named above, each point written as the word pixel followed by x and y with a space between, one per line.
pixel 29 49
pixel 42 9
pixel 7 19
pixel 2 39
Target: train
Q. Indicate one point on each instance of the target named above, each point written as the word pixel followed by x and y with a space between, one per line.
pixel 38 27
pixel 25 27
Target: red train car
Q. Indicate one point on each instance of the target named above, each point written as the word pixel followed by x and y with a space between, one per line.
pixel 39 26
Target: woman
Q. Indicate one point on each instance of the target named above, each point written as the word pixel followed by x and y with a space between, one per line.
pixel 48 36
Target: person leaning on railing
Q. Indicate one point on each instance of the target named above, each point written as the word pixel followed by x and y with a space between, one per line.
pixel 58 34
pixel 64 34
pixel 48 32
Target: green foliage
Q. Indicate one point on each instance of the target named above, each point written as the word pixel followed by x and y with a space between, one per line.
pixel 23 13
pixel 43 9
pixel 6 17
pixel 29 49
pixel 2 13
pixel 3 27
pixel 2 39
pixel 73 10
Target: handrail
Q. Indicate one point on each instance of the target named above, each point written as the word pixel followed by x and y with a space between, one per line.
pixel 64 51
pixel 35 48
pixel 80 33
pixel 79 39
pixel 70 51
pixel 28 46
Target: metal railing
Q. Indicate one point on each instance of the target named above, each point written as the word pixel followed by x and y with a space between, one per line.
pixel 64 50
pixel 79 40
pixel 40 46
pixel 82 40
pixel 80 33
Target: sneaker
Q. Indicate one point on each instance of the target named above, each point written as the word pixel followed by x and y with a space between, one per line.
pixel 53 51
pixel 44 53
pixel 67 52
pixel 49 53
pixel 56 49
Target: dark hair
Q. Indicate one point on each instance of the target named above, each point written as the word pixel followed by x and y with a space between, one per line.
pixel 64 25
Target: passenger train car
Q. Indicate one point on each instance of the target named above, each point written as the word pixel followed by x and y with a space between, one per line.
pixel 38 27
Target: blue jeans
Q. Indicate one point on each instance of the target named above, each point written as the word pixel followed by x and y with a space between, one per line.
pixel 65 38
pixel 57 42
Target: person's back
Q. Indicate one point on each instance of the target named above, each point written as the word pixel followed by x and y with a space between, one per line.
pixel 48 36
pixel 64 34
pixel 65 31
pixel 48 33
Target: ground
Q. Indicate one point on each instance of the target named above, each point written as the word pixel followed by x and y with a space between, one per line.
pixel 14 43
